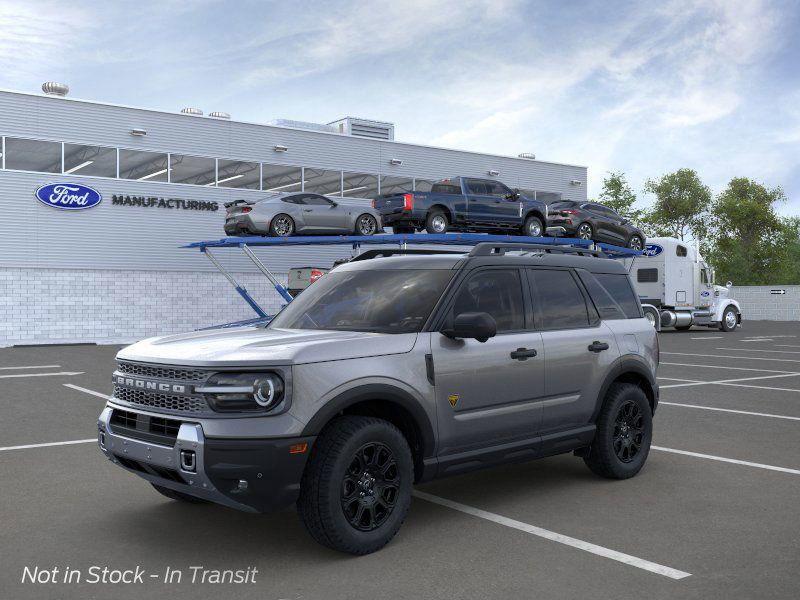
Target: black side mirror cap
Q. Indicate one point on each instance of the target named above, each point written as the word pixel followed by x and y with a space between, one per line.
pixel 472 325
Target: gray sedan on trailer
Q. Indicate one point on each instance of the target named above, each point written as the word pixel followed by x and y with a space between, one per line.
pixel 300 213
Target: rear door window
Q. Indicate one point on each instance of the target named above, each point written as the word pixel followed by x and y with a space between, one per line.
pixel 560 302
pixel 477 187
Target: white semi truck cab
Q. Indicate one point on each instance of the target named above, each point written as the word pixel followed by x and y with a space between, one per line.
pixel 676 288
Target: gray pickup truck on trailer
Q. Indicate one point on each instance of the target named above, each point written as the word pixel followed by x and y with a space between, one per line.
pixel 390 371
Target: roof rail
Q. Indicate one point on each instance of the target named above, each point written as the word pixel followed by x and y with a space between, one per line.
pixel 489 248
pixel 400 251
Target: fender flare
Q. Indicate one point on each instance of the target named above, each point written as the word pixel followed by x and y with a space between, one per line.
pixel 627 364
pixel 375 392
pixel 723 306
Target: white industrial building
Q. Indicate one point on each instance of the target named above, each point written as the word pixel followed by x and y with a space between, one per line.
pixel 115 272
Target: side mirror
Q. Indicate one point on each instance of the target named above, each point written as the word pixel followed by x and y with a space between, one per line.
pixel 729 285
pixel 472 325
pixel 334 204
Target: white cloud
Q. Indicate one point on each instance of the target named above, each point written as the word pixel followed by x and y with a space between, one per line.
pixel 34 36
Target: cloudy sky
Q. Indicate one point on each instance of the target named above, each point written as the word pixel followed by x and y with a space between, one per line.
pixel 641 87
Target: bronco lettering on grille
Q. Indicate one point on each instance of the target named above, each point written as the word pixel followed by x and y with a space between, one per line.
pixel 156 386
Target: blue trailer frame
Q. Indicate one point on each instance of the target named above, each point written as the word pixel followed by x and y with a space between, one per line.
pixel 401 240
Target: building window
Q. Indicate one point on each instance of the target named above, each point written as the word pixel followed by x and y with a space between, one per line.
pixel 194 170
pixel 280 178
pixel 97 161
pixel 143 166
pixel 359 185
pixel 396 185
pixel 423 185
pixel 33 155
pixel 237 174
pixel 320 181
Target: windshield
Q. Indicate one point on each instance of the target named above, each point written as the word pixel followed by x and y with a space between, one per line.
pixel 391 301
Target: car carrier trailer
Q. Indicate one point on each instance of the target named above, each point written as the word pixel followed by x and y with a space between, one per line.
pixel 401 241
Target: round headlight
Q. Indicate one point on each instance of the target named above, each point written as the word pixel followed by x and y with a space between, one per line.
pixel 268 391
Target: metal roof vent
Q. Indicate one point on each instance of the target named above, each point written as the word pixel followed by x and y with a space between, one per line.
pixel 527 155
pixel 219 115
pixel 51 88
pixel 192 111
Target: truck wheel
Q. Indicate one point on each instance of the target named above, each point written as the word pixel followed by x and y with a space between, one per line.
pixel 729 321
pixel 175 495
pixel 624 431
pixel 281 226
pixel 356 489
pixel 436 222
pixel 366 224
pixel 533 227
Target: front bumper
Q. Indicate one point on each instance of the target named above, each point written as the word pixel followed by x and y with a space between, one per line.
pixel 271 471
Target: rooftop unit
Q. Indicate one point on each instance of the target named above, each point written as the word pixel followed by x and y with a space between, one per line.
pixel 376 130
pixel 303 125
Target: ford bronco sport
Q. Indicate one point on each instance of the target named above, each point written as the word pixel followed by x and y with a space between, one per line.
pixel 391 371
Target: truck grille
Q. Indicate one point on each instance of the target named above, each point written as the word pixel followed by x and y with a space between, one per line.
pixel 171 402
pixel 162 372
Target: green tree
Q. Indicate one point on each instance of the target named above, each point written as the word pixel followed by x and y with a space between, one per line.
pixel 750 243
pixel 618 195
pixel 680 207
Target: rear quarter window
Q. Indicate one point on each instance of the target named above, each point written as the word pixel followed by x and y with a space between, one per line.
pixel 618 288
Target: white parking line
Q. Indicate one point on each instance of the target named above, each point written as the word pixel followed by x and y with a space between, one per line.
pixel 728 381
pixel 759 350
pixel 730 410
pixel 762 387
pixel 556 537
pixel 31 367
pixel 68 443
pixel 85 391
pixel 759 340
pixel 41 374
pixel 787 346
pixel 727 460
pixel 723 367
pixel 740 357
pixel 708 337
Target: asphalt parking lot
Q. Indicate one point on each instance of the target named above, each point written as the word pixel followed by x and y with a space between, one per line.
pixel 714 513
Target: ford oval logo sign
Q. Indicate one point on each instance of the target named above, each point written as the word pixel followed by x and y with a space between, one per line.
pixel 68 196
pixel 705 294
pixel 652 250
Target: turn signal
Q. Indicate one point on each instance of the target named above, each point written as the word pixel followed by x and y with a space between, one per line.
pixel 298 448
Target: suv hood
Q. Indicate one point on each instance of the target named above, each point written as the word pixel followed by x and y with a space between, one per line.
pixel 258 346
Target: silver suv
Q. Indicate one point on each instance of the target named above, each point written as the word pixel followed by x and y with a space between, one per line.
pixel 390 371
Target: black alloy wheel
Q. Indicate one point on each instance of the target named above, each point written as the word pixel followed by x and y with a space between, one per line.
pixel 628 431
pixel 370 487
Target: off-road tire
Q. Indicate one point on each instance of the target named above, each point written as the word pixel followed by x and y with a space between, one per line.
pixel 320 504
pixel 602 458
pixel 175 495
pixel 434 214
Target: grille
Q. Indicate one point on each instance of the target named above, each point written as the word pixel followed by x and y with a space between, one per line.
pixel 161 372
pixel 143 427
pixel 183 404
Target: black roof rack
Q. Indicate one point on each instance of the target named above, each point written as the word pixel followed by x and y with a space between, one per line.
pixel 489 248
pixel 378 252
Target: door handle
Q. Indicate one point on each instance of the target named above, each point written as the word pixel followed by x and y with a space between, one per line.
pixel 308 210
pixel 598 346
pixel 523 353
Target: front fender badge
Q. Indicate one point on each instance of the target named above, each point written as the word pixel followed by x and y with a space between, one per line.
pixel 453 399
